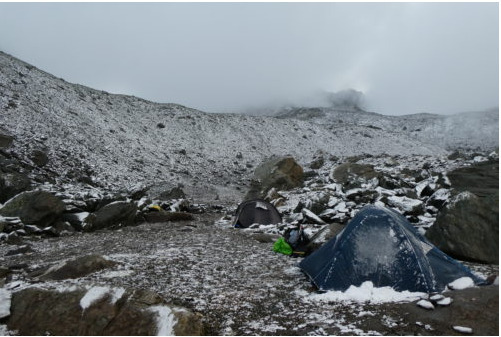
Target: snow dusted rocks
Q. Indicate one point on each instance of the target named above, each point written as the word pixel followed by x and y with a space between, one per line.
pixel 277 172
pixel 34 208
pixel 98 310
pixel 353 175
pixel 407 205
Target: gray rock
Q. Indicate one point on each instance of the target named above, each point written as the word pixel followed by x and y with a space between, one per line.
pixel 407 206
pixel 34 208
pixel 20 250
pixel 139 191
pixel 76 268
pixel 12 184
pixel 352 175
pixel 317 163
pixel 281 173
pixel 115 214
pixel 5 140
pixel 481 179
pixel 39 158
pixel 439 198
pixel 468 228
pixel 361 196
pixel 76 220
pixel 116 311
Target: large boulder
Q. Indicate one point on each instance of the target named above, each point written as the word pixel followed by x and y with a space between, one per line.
pixel 12 184
pixel 352 175
pixel 112 215
pixel 468 228
pixel 281 173
pixel 481 179
pixel 98 311
pixel 37 208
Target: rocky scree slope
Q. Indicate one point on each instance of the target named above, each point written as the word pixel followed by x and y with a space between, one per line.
pixel 467 131
pixel 116 141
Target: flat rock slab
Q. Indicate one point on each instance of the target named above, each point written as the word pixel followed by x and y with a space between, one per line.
pixel 98 311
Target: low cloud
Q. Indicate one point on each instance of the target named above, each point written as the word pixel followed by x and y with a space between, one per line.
pixel 224 57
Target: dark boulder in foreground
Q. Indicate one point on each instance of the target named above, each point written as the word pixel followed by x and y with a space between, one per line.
pixel 39 158
pixel 98 311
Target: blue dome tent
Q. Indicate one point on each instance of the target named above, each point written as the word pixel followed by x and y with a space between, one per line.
pixel 381 246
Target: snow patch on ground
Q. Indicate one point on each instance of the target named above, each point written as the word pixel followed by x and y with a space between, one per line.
pixel 462 329
pixel 367 293
pixel 4 331
pixel 461 283
pixel 117 273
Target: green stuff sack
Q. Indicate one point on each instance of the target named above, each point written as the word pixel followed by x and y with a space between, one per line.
pixel 281 246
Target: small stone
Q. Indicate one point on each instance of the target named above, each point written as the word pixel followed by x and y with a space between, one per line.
pixel 445 302
pixel 463 329
pixel 425 304
pixel 21 250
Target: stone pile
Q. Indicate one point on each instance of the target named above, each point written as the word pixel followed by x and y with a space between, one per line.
pixel 425 190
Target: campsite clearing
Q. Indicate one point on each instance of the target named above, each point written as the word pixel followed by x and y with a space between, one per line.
pixel 240 286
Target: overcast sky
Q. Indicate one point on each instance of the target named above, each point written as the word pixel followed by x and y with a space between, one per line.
pixel 405 57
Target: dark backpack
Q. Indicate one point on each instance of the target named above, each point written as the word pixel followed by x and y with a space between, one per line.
pixel 297 239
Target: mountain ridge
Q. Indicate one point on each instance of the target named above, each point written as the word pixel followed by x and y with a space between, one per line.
pixel 122 140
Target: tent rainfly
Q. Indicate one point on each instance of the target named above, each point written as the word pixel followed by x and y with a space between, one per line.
pixel 381 246
pixel 256 212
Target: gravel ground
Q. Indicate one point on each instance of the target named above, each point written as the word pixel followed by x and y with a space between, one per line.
pixel 240 285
